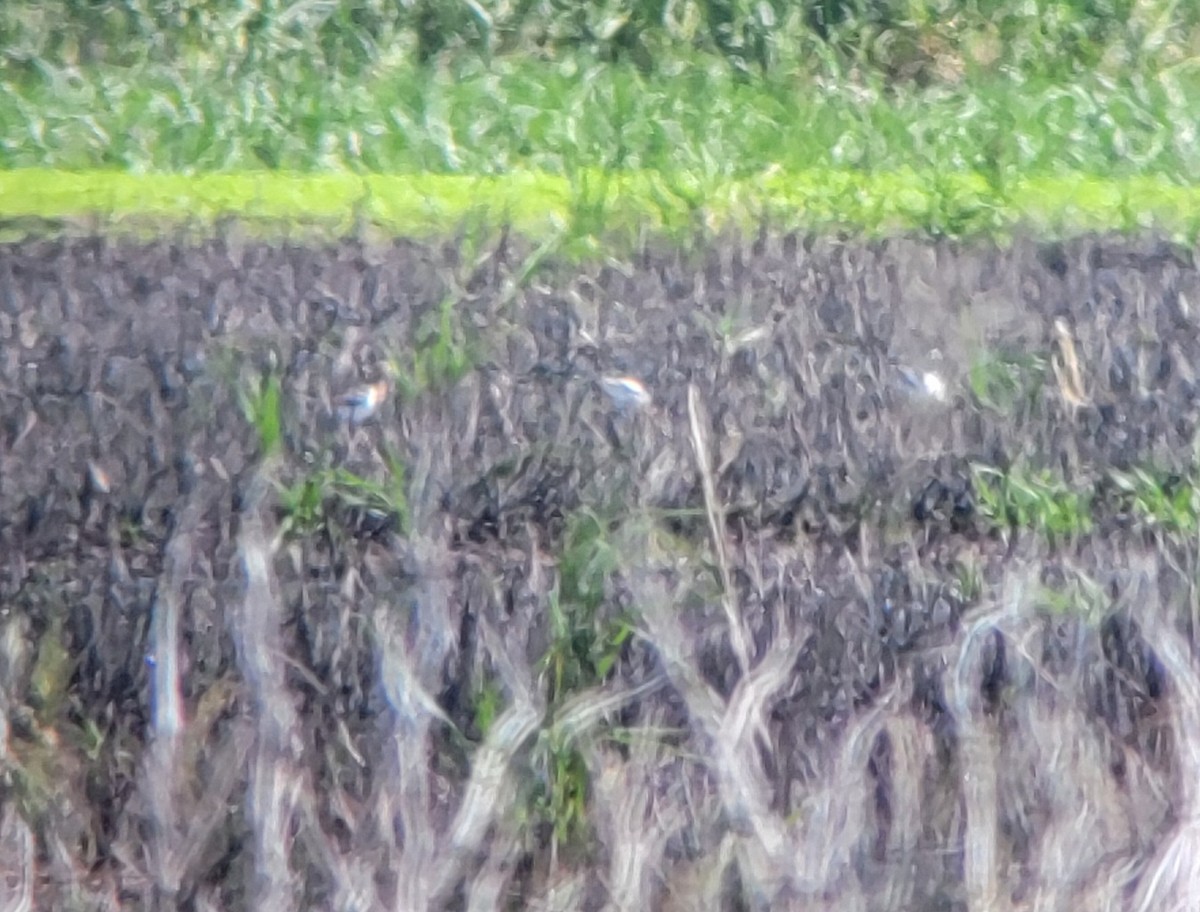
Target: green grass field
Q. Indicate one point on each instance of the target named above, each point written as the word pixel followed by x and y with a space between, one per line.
pixel 697 117
pixel 901 117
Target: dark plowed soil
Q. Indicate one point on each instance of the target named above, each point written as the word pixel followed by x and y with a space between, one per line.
pixel 241 674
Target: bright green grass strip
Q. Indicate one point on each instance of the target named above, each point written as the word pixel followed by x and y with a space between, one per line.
pixel 407 204
pixel 595 204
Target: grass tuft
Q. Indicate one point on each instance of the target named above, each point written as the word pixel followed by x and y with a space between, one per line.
pixel 260 401
pixel 308 504
pixel 1033 500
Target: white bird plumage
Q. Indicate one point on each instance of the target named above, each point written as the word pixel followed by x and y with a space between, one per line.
pixel 627 393
pixel 927 382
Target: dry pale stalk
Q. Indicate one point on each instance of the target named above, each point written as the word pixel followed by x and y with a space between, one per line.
pixel 275 785
pixel 716 524
pixel 1066 367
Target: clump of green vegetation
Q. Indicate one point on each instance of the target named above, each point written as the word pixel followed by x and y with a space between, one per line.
pixel 582 650
pixel 51 672
pixel 1075 596
pixel 306 504
pixel 561 797
pixel 260 401
pixel 969 578
pixel 589 558
pixel 1168 501
pixel 487 703
pixel 47 735
pixel 441 356
pixel 1149 498
pixel 1005 383
pixel 1021 499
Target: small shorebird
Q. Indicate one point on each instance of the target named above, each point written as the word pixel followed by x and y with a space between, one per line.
pixel 627 393
pixel 927 383
pixel 362 404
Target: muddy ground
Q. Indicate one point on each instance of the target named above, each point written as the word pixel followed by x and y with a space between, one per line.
pixel 509 642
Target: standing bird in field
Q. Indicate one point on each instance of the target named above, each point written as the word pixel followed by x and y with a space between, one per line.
pixel 628 394
pixel 925 383
pixel 630 398
pixel 362 404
